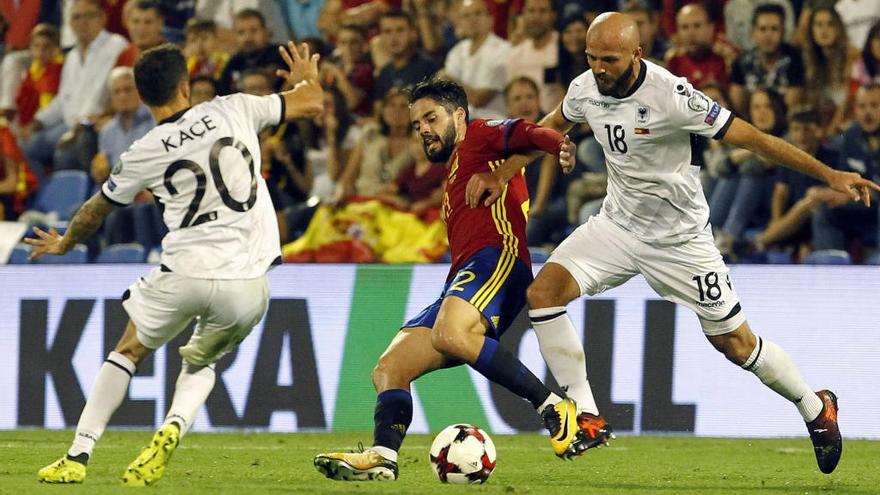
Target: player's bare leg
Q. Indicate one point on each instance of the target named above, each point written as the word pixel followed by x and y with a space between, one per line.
pixel 408 356
pixel 548 296
pixel 108 392
pixel 460 333
pixel 773 366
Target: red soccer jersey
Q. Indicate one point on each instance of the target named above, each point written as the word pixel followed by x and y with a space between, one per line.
pixel 502 225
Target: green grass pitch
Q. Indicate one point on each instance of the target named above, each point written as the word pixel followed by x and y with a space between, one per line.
pixel 262 463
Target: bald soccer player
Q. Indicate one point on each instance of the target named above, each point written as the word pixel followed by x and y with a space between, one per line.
pixel 655 220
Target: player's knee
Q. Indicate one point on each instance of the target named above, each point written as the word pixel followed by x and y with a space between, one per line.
pixel 446 341
pixel 736 347
pixel 542 295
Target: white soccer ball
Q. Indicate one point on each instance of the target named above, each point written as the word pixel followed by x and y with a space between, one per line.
pixel 462 454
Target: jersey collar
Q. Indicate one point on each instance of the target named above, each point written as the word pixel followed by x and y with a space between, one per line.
pixel 173 118
pixel 643 70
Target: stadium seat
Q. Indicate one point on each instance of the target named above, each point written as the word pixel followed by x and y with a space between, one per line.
pixel 873 260
pixel 779 258
pixel 63 193
pixel 122 253
pixel 20 255
pixel 77 255
pixel 828 257
pixel 539 255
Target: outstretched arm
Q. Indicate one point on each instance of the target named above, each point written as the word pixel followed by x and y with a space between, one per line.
pixel 546 137
pixel 86 222
pixel 745 135
pixel 306 98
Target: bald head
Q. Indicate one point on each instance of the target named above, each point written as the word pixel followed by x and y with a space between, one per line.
pixel 613 52
pixel 613 29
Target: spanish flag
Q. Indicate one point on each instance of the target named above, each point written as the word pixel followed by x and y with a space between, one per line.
pixel 26 182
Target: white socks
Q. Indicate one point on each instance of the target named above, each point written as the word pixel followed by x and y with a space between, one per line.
pixel 108 392
pixel 549 401
pixel 564 354
pixel 388 454
pixel 773 366
pixel 193 386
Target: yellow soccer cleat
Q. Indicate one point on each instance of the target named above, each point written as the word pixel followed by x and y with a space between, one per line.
pixel 63 470
pixel 561 420
pixel 149 467
pixel 356 466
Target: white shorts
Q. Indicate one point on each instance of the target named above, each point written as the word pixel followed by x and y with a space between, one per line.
pixel 600 255
pixel 164 304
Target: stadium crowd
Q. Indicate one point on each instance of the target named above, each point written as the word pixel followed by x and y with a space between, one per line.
pixel 806 70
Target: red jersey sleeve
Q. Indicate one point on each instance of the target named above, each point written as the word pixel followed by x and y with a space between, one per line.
pixel 513 136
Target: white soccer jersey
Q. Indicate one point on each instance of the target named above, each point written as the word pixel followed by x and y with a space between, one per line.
pixel 652 139
pixel 203 166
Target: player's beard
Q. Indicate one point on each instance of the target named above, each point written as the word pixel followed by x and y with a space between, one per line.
pixel 614 87
pixel 447 144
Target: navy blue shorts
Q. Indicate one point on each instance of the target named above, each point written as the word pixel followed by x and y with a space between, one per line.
pixel 493 281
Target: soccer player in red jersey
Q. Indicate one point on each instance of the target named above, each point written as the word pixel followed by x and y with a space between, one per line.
pixel 485 289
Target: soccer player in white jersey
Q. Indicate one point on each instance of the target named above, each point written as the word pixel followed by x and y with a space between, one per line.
pixel 202 164
pixel 654 220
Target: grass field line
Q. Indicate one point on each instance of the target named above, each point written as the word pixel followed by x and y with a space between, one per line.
pixel 316 448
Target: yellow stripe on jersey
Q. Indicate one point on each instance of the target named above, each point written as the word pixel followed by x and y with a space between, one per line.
pixel 503 225
pixel 488 292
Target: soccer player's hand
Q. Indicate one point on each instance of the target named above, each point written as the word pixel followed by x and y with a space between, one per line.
pixel 481 184
pixel 853 185
pixel 48 243
pixel 302 66
pixel 567 155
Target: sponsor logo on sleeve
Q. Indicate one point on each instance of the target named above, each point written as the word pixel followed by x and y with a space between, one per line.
pixel 698 102
pixel 713 114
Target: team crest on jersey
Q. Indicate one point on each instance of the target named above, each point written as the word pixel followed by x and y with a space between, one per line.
pixel 698 102
pixel 643 114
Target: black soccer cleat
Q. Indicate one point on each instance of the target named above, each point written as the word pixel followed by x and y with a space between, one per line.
pixel 825 434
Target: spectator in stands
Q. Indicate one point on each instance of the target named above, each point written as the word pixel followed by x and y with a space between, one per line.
pixel 44 75
pixel 772 63
pixel 17 180
pixel 866 70
pixel 477 62
pixel 202 89
pixel 82 93
pixel 225 14
pixel 537 56
pixel 301 18
pixel 739 20
pixel 382 151
pixel 572 48
pixel 741 199
pixel 131 121
pixel 857 16
pixel 840 221
pixel 351 61
pixel 418 187
pixel 694 58
pixel 254 51
pixel 828 59
pixel 363 13
pixel 796 195
pixel 144 21
pixel 17 19
pixel 329 140
pixel 203 55
pixel 408 65
pixel 176 14
pixel 654 46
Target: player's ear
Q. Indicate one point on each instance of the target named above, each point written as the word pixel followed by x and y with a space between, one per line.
pixel 183 89
pixel 460 115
